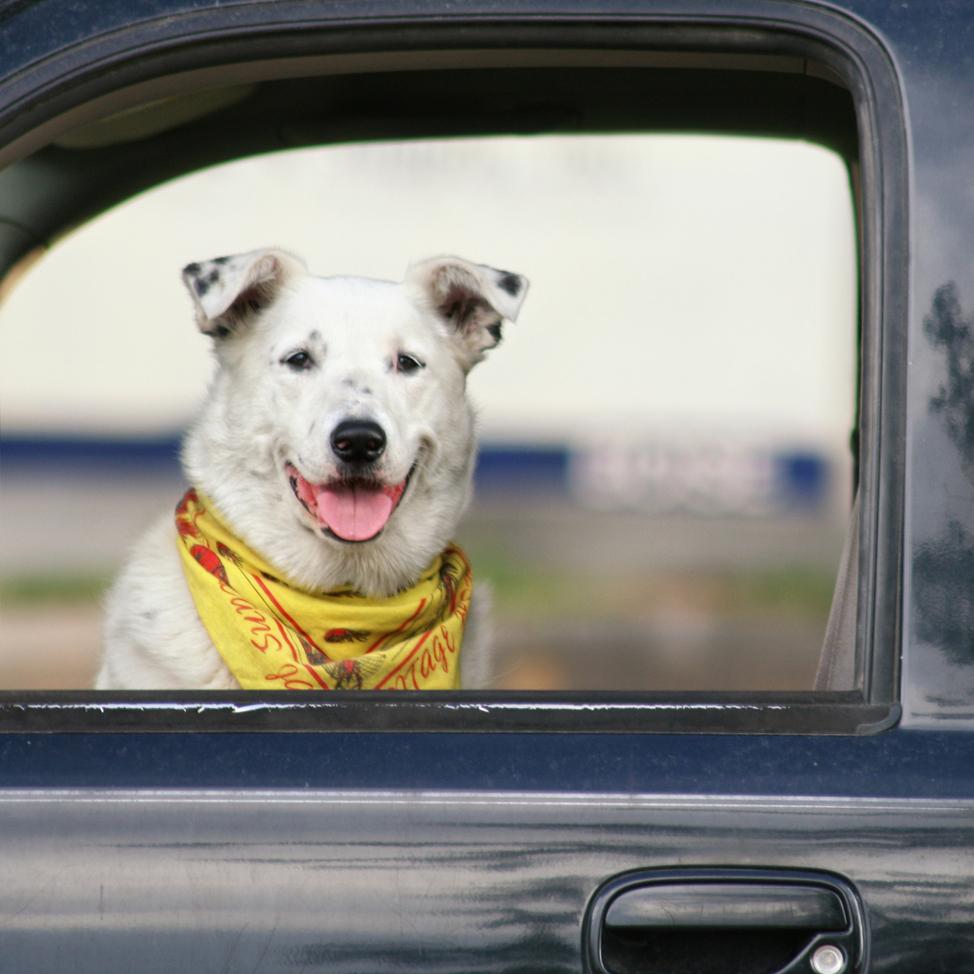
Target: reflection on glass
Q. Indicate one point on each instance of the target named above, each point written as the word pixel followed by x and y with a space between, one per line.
pixel 943 566
pixel 664 478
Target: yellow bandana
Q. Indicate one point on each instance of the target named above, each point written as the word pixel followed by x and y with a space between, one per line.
pixel 275 636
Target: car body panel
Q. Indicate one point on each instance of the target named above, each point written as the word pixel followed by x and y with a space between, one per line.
pixel 423 851
pixel 427 881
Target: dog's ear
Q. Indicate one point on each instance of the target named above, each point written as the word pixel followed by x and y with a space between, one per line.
pixel 229 291
pixel 471 298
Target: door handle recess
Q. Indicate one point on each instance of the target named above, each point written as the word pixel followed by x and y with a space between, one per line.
pixel 725 922
pixel 728 905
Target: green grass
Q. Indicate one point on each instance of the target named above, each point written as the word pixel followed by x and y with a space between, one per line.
pixel 84 588
pixel 521 588
pixel 787 591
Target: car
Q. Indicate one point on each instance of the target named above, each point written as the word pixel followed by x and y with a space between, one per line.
pixel 607 831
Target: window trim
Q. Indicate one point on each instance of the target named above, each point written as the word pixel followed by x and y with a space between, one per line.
pixel 226 45
pixel 369 711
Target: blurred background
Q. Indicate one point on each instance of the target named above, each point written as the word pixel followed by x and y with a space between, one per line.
pixel 665 474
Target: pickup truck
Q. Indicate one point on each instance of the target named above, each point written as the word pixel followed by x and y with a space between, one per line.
pixel 532 831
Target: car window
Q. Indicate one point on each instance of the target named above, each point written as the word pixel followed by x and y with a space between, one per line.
pixel 665 474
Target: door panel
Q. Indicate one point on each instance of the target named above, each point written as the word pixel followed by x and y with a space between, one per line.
pixel 406 881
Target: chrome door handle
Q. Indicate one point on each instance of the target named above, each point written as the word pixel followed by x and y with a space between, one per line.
pixel 743 921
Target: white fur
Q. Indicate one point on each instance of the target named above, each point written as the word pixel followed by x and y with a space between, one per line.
pixel 262 413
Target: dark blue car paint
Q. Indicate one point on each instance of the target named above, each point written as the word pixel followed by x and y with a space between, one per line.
pixel 479 851
pixel 897 764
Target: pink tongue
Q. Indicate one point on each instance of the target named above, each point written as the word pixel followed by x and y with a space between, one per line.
pixel 356 513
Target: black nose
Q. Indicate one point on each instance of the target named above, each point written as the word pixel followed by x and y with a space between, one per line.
pixel 358 441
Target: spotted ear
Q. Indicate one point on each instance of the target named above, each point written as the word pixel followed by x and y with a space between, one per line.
pixel 228 292
pixel 472 299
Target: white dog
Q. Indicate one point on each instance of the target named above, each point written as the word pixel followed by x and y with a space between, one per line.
pixel 335 447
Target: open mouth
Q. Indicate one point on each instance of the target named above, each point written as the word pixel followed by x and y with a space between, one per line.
pixel 349 509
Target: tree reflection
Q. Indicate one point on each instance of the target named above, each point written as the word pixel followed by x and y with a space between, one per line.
pixel 943 568
pixel 943 593
pixel 946 328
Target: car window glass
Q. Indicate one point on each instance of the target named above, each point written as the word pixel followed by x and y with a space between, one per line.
pixel 665 474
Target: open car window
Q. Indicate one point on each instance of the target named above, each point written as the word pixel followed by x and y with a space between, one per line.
pixel 665 472
pixel 671 435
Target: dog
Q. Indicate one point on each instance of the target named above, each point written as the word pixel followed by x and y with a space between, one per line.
pixel 336 447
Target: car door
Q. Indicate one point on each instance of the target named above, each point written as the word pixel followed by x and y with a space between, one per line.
pixel 825 830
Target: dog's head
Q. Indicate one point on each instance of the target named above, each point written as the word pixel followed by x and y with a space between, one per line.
pixel 337 438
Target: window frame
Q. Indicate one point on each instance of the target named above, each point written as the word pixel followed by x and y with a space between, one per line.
pixel 262 40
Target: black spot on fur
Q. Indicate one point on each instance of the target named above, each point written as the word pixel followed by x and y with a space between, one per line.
pixel 495 331
pixel 509 282
pixel 191 269
pixel 221 260
pixel 203 284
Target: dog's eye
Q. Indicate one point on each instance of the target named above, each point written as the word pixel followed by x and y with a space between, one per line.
pixel 406 363
pixel 299 361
